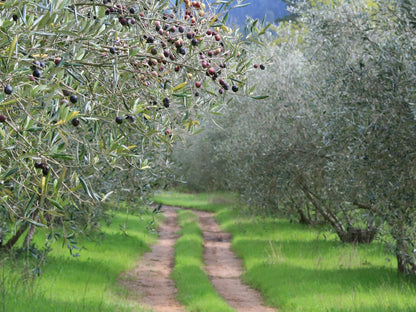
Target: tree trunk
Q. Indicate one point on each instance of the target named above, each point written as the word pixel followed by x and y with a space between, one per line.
pixel 308 210
pixel 346 235
pixel 405 264
pixel 330 218
pixel 401 263
pixel 360 236
pixel 303 219
pixel 29 235
pixel 13 240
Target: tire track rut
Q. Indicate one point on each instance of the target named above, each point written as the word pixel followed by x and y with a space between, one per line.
pixel 156 291
pixel 150 279
pixel 225 269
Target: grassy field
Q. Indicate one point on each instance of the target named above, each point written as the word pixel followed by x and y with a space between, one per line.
pixel 298 268
pixel 202 201
pixel 84 283
pixel 195 291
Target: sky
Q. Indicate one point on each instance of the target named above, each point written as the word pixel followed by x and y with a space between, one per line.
pixel 273 9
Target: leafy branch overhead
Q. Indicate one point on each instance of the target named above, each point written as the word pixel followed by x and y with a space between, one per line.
pixel 94 93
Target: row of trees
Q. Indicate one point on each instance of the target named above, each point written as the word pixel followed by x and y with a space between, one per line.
pixel 93 93
pixel 335 139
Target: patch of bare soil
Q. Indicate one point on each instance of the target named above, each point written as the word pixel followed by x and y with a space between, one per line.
pixel 150 279
pixel 225 270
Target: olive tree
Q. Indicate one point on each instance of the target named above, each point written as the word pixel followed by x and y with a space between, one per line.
pixel 365 56
pixel 335 139
pixel 93 95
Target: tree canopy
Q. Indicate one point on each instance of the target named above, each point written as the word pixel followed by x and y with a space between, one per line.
pixel 93 95
pixel 334 142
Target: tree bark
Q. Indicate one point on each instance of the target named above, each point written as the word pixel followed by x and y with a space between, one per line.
pixel 303 219
pixel 29 235
pixel 330 218
pixel 13 240
pixel 347 234
pixel 405 264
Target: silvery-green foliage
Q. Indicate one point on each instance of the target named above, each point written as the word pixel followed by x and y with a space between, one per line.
pixel 92 95
pixel 337 131
pixel 366 59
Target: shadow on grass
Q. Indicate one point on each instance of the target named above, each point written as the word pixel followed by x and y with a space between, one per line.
pixel 318 253
pixel 119 242
pixel 102 257
pixel 46 304
pixel 292 287
pixel 81 286
pixel 299 268
pixel 376 308
pixel 79 283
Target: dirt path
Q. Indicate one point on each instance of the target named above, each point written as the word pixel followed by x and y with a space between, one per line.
pixel 150 279
pixel 224 269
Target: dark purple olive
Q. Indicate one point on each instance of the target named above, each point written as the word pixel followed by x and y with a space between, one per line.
pixel 37 73
pixel 75 122
pixel 73 98
pixel 166 102
pixel 45 169
pixel 119 120
pixel 8 89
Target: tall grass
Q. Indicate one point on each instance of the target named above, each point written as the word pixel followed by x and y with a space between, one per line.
pixel 195 291
pixel 298 268
pixel 85 283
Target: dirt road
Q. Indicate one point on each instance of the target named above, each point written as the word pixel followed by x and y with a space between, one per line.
pixel 156 291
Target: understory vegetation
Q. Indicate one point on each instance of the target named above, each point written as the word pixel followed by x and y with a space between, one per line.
pixel 297 267
pixel 88 282
pixel 334 141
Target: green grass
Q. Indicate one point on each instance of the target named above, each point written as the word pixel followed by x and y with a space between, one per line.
pixel 195 291
pixel 201 201
pixel 298 268
pixel 85 283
